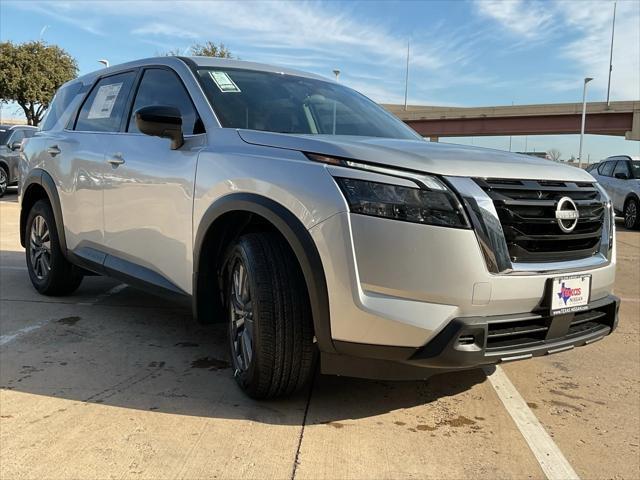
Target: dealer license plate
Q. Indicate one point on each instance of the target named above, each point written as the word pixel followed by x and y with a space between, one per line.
pixel 570 294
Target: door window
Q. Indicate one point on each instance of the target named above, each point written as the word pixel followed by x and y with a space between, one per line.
pixel 606 168
pixel 104 107
pixel 17 136
pixel 160 86
pixel 622 167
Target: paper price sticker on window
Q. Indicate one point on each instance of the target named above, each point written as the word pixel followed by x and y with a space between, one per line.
pixel 104 101
pixel 224 82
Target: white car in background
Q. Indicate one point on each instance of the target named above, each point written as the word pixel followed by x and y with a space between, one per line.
pixel 620 177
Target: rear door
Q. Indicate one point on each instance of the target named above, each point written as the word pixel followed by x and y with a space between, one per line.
pixel 604 175
pixel 78 160
pixel 148 195
pixel 620 186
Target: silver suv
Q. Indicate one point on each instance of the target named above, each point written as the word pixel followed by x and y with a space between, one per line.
pixel 314 223
pixel 620 177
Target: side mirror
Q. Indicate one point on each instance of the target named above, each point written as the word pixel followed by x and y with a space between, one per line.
pixel 621 176
pixel 161 121
pixel 16 146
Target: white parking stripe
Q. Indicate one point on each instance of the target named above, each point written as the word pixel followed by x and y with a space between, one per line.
pixel 553 463
pixel 6 267
pixel 108 293
pixel 4 339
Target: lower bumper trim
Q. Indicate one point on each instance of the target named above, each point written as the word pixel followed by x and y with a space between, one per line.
pixel 471 342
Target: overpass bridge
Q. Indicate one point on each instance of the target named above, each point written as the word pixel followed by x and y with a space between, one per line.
pixel 620 118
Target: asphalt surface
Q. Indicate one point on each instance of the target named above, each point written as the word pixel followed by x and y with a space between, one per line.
pixel 114 383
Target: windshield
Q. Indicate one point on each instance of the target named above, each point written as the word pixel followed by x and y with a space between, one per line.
pixel 276 102
pixel 635 169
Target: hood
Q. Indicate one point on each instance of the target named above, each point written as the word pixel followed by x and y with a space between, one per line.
pixel 423 156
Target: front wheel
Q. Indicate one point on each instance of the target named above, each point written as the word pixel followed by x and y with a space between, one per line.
pixel 270 323
pixel 49 270
pixel 631 214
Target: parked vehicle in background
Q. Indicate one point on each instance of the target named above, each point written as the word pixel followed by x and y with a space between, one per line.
pixel 11 137
pixel 620 177
pixel 312 221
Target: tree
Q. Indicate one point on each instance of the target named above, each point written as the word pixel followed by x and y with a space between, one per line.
pixel 554 154
pixel 30 74
pixel 210 49
pixel 207 49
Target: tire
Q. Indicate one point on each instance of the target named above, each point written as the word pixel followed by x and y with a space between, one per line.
pixel 269 311
pixel 4 180
pixel 632 214
pixel 49 271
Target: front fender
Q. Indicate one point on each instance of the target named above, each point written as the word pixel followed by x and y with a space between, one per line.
pixel 300 241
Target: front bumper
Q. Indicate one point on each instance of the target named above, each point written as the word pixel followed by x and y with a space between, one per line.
pixel 476 341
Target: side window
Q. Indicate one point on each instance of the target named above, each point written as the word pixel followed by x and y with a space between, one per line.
pixel 59 104
pixel 29 133
pixel 18 135
pixel 622 167
pixel 104 108
pixel 163 87
pixel 606 169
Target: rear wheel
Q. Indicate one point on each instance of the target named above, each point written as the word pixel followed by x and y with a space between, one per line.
pixel 49 270
pixel 270 324
pixel 4 181
pixel 631 214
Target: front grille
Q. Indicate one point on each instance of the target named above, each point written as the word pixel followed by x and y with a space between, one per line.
pixel 527 212
pixel 538 330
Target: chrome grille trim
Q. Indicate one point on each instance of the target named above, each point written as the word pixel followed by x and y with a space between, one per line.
pixel 491 237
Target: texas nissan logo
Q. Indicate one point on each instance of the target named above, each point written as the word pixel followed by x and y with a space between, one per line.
pixel 567 214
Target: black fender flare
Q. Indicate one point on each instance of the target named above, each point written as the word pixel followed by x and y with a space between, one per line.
pixel 42 178
pixel 300 241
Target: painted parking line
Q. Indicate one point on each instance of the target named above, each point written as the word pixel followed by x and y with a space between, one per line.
pixel 7 338
pixel 108 293
pixel 6 267
pixel 553 463
pixel 4 339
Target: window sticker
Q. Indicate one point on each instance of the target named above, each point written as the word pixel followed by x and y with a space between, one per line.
pixel 224 82
pixel 104 101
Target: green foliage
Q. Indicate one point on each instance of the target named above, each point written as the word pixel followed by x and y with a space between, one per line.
pixel 210 49
pixel 207 49
pixel 30 74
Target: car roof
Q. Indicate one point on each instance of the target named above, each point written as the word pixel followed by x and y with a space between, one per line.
pixel 195 62
pixel 616 157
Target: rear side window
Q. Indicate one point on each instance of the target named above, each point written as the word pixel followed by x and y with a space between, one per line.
pixel 163 87
pixel 606 168
pixel 104 108
pixel 59 104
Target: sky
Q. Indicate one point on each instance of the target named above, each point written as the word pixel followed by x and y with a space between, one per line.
pixel 463 53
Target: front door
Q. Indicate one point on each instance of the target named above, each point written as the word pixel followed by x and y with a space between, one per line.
pixel 148 188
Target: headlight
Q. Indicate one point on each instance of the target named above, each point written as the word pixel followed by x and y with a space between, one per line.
pixel 402 203
pixel 430 202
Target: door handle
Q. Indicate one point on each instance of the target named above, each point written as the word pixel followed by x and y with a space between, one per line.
pixel 116 160
pixel 53 150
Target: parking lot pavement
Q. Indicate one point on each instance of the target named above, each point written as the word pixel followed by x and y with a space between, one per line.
pixel 111 382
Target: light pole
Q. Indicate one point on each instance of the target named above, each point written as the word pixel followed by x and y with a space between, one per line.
pixel 406 79
pixel 336 72
pixel 613 31
pixel 584 117
pixel 104 62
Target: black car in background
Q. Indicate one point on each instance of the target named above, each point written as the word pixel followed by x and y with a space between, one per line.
pixel 11 137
